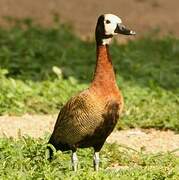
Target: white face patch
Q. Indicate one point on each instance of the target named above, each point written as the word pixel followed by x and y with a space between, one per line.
pixel 106 41
pixel 110 23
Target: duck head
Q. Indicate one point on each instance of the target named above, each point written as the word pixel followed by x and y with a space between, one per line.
pixel 109 25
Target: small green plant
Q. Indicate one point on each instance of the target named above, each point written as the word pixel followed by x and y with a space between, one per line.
pixel 24 158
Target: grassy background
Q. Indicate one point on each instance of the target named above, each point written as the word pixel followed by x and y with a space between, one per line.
pixel 25 159
pixel 41 68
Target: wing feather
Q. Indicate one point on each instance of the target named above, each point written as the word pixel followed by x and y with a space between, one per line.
pixel 78 118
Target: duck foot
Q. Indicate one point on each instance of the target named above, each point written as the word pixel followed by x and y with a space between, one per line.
pixel 74 160
pixel 96 161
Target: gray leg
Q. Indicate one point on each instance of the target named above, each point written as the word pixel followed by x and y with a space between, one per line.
pixel 96 161
pixel 74 160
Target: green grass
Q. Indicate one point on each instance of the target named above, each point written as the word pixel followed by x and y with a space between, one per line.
pixel 25 159
pixel 41 68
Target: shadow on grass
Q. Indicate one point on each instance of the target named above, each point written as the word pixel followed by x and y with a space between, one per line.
pixel 30 52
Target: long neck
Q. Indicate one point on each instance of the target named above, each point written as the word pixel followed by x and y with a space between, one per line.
pixel 104 75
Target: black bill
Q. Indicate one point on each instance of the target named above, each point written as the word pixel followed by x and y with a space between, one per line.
pixel 121 29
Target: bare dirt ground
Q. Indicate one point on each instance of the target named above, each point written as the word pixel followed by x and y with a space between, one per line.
pixel 38 125
pixel 142 15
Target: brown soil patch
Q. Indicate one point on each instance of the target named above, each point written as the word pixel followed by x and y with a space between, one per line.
pixel 141 15
pixel 150 140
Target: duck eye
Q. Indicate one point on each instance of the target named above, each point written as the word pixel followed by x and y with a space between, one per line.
pixel 108 21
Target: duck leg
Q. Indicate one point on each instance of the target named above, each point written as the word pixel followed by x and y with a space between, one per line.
pixel 96 161
pixel 74 160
